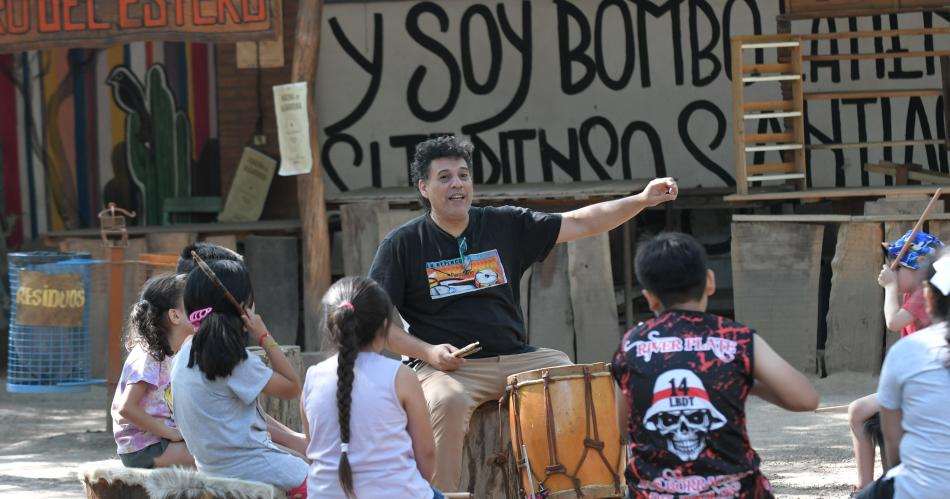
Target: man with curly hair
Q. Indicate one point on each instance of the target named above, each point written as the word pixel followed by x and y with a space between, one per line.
pixel 454 275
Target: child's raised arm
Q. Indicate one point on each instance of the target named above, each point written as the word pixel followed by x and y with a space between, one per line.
pixel 409 391
pixel 776 381
pixel 130 408
pixel 285 382
pixel 895 317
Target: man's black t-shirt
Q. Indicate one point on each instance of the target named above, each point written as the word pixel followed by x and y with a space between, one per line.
pixel 465 289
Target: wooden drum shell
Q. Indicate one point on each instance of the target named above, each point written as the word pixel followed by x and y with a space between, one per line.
pixel 528 417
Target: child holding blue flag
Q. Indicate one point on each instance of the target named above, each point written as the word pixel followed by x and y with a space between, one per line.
pixel 904 311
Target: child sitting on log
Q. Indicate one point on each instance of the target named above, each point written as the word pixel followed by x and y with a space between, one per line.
pixel 685 375
pixel 914 394
pixel 143 424
pixel 216 383
pixel 904 311
pixel 279 432
pixel 365 414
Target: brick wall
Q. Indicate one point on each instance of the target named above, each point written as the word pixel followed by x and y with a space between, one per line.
pixel 237 116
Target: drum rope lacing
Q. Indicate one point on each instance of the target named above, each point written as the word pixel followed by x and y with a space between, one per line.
pixel 554 465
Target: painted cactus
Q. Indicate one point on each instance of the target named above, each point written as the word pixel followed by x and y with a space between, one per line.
pixel 158 143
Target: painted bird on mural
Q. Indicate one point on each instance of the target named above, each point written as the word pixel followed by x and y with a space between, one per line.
pixel 130 96
pixel 157 138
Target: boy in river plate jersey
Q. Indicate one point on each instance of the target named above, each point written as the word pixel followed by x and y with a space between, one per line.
pixel 686 374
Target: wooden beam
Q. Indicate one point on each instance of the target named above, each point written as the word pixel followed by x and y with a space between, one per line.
pixel 917 174
pixel 746 39
pixel 771 168
pixel 839 193
pixel 204 228
pixel 738 115
pixel 945 76
pixel 766 68
pixel 855 323
pixel 873 94
pixel 873 34
pixel 865 145
pixel 310 190
pixel 796 218
pixel 798 126
pixel 883 55
pixel 785 315
pixel 807 218
pixel 854 12
pixel 769 105
pixel 758 138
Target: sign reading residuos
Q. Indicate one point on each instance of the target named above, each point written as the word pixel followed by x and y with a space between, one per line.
pixel 31 24
pixel 55 300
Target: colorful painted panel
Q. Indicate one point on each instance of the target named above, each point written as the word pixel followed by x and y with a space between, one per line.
pixel 79 128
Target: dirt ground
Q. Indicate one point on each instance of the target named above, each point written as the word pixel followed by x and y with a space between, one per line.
pixel 44 437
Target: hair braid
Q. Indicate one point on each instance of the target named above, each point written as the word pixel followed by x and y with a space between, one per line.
pixel 357 310
pixel 344 391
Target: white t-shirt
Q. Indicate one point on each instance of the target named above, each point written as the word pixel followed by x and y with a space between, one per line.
pixel 915 380
pixel 224 427
pixel 380 452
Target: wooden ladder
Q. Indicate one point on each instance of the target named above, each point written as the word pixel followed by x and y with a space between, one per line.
pixel 791 143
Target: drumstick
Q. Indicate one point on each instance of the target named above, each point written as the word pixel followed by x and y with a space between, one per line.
pixel 217 282
pixel 832 408
pixel 917 227
pixel 459 354
pixel 467 350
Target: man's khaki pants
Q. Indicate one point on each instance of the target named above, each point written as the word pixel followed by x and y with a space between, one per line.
pixel 454 396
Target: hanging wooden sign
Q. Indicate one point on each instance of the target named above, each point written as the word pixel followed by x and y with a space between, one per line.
pixel 50 299
pixel 29 24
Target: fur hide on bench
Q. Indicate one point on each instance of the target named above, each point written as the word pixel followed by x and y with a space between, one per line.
pixel 109 479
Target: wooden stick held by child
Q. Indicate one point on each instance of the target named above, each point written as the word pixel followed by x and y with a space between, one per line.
pixel 917 227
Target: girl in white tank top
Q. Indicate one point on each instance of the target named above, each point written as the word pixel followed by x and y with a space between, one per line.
pixel 364 414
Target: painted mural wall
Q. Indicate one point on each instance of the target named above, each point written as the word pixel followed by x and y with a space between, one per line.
pixel 558 90
pixel 81 127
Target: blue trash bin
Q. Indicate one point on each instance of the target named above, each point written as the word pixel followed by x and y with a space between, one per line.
pixel 49 322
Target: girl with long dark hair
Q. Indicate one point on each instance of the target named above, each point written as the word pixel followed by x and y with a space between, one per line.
pixel 216 383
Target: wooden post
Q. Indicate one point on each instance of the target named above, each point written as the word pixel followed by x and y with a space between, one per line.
pixel 945 76
pixel 285 411
pixel 738 117
pixel 116 313
pixel 310 195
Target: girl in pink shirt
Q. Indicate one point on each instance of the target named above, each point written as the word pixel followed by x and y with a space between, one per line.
pixel 143 425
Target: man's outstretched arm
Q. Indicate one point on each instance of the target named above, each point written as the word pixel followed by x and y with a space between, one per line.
pixel 602 217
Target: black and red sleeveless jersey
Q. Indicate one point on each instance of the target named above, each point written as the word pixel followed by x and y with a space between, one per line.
pixel 685 376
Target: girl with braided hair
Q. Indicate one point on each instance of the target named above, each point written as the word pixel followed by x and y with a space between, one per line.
pixel 144 428
pixel 364 414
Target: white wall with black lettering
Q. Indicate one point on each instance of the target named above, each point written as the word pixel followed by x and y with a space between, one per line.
pixel 554 90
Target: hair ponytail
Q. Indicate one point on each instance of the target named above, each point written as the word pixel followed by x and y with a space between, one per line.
pixel 218 344
pixel 148 323
pixel 357 309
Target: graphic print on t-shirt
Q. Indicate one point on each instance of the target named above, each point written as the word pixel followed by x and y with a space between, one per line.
pixel 682 413
pixel 457 276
